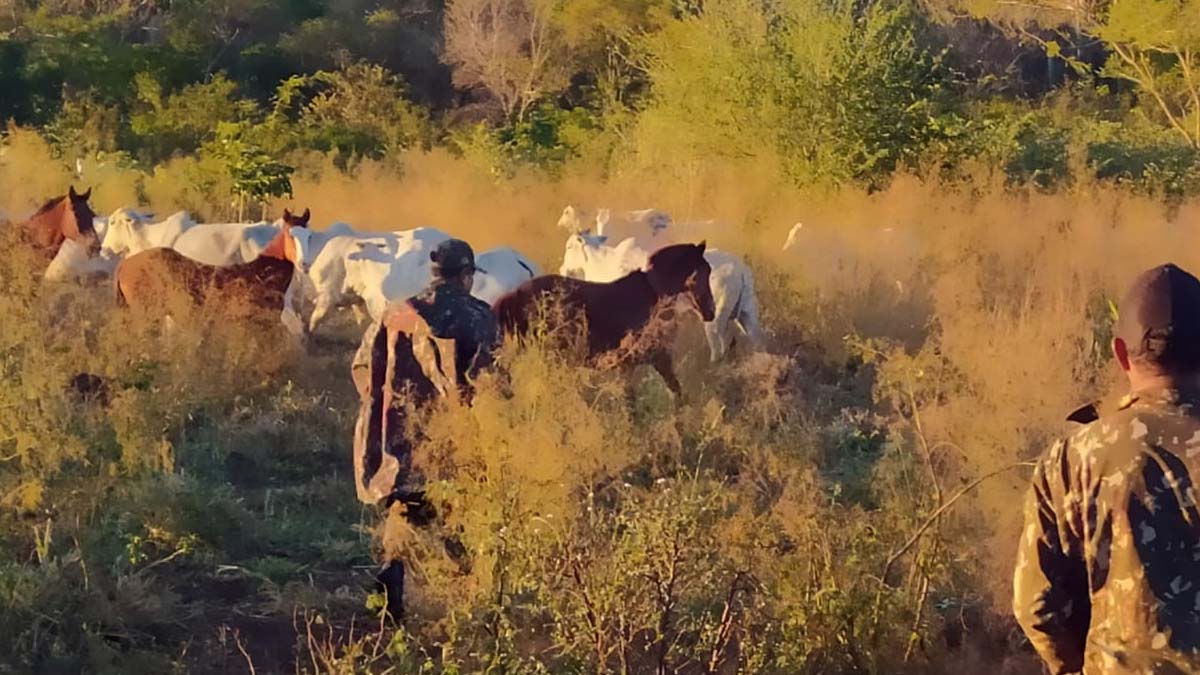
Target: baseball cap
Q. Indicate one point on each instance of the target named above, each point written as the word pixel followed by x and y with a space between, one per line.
pixel 1160 317
pixel 453 256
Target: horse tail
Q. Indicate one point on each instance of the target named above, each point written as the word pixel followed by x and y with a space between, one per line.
pixel 747 312
pixel 118 295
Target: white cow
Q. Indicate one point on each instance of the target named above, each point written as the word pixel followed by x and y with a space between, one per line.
pixel 128 231
pixel 337 270
pixel 73 262
pixel 225 243
pixel 381 279
pixel 99 224
pixel 731 282
pixel 502 271
pixel 648 226
pixel 589 257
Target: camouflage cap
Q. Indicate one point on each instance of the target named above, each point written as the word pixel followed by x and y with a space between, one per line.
pixel 453 256
pixel 1160 316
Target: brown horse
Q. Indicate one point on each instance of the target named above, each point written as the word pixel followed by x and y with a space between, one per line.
pixel 617 313
pixel 146 279
pixel 65 217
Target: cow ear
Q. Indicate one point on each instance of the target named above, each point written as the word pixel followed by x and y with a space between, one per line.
pixel 306 216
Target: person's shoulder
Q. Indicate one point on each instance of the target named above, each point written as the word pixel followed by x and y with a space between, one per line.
pixel 1124 434
pixel 479 305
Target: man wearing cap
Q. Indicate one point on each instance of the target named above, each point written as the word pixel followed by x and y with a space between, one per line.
pixel 1108 570
pixel 433 344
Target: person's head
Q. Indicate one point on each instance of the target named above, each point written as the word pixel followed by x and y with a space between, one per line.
pixel 1158 328
pixel 454 263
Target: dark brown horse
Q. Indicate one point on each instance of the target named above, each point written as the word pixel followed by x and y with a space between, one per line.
pixel 65 217
pixel 147 279
pixel 616 314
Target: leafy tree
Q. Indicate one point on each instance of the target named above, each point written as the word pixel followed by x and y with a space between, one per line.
pixel 1156 45
pixel 840 91
pixel 607 36
pixel 17 104
pixel 403 36
pixel 257 177
pixel 360 110
pixel 886 102
pixel 61 56
pixel 1153 44
pixel 716 80
pixel 181 122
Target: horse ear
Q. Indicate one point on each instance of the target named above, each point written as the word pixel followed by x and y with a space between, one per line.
pixel 71 192
pixel 701 246
pixel 306 216
pixel 287 215
pixel 87 195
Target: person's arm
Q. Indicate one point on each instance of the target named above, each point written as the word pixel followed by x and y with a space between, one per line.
pixel 1050 589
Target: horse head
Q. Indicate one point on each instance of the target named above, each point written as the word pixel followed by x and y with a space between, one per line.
pixel 78 222
pixel 65 217
pixel 294 220
pixel 284 246
pixel 682 270
pixel 302 240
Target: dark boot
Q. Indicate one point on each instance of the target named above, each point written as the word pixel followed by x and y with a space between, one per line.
pixel 390 582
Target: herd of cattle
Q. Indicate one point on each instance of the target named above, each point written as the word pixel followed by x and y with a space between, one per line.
pixel 305 273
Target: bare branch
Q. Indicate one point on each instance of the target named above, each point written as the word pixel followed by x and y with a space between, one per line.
pixel 933 518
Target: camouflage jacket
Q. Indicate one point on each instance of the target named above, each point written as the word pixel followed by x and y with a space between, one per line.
pixel 1108 572
pixel 449 313
pixel 432 344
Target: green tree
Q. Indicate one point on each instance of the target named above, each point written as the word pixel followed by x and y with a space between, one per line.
pixel 1156 45
pixel 837 90
pixel 256 176
pixel 181 122
pixel 359 110
pixel 1153 44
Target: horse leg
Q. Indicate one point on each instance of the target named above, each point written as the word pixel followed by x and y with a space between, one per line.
pixel 323 306
pixel 661 361
pixel 726 299
pixel 169 327
pixel 293 324
pixel 748 314
pixel 716 341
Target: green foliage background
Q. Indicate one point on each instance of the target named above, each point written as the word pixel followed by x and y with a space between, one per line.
pixel 833 90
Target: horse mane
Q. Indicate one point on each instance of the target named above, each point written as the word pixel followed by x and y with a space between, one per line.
pixel 50 204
